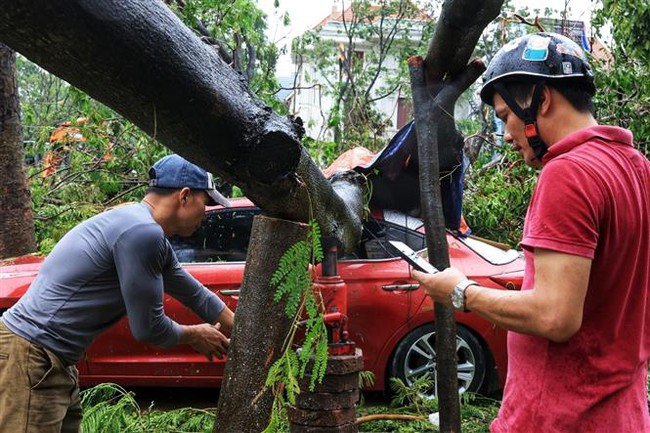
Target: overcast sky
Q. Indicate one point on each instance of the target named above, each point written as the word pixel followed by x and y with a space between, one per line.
pixel 305 14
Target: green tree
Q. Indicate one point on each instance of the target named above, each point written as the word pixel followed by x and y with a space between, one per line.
pixel 81 156
pixel 623 96
pixel 363 63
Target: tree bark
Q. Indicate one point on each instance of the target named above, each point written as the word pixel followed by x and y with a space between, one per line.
pixel 17 230
pixel 138 58
pixel 460 25
pixel 245 403
pixel 436 84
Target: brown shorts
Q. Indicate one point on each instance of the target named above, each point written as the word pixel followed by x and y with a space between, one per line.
pixel 38 394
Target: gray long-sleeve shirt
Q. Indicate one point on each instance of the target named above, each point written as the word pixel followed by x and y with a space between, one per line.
pixel 112 264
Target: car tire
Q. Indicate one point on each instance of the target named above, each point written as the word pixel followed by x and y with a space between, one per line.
pixel 414 357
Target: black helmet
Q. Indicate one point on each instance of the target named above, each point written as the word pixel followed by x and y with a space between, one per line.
pixel 535 58
pixel 546 56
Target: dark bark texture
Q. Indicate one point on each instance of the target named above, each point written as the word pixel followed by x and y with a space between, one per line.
pixel 17 228
pixel 138 58
pixel 436 84
pixel 460 25
pixel 260 330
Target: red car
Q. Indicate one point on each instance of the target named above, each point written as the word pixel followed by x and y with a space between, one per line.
pixel 389 318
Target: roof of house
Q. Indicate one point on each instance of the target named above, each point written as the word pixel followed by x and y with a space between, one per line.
pixel 348 15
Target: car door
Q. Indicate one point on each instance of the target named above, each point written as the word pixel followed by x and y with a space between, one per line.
pixel 215 256
pixel 381 295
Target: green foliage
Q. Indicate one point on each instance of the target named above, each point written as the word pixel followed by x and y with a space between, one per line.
pixel 623 95
pixel 366 378
pixel 395 426
pixel 293 280
pixel 631 28
pixel 476 412
pixel 413 395
pixel 322 152
pixel 496 198
pixel 98 160
pixel 109 408
pixel 356 77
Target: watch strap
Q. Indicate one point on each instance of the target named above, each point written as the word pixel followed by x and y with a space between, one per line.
pixel 460 289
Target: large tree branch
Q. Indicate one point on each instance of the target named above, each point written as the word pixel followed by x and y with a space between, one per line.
pixel 437 135
pixel 457 32
pixel 139 59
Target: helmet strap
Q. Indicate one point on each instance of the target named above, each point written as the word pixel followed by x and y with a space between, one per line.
pixel 528 115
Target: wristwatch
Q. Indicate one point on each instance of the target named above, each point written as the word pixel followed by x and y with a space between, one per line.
pixel 458 294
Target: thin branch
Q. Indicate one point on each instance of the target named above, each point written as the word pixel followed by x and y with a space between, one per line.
pixel 389 416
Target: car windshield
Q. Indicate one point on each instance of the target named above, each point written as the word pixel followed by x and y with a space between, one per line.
pixel 222 237
pixel 491 253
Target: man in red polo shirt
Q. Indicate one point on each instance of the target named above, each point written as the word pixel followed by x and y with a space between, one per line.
pixel 579 330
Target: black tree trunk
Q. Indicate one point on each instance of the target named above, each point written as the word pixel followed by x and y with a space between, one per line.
pixel 17 228
pixel 436 84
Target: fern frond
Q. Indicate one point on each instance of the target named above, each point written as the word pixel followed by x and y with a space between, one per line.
pixel 315 240
pixel 293 281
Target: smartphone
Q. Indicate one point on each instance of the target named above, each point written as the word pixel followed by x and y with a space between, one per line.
pixel 413 258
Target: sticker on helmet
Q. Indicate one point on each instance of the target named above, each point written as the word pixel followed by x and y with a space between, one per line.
pixel 570 49
pixel 567 68
pixel 536 49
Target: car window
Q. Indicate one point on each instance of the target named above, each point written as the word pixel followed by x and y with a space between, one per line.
pixel 376 234
pixel 223 237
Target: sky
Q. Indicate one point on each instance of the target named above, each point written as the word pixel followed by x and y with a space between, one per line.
pixel 305 14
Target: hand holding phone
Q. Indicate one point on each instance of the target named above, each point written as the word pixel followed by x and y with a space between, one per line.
pixel 413 258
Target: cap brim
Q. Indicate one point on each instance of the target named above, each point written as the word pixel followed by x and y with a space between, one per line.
pixel 217 198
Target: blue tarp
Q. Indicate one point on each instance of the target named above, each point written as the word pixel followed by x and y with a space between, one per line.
pixel 394 176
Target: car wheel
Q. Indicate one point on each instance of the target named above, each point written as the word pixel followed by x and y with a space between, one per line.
pixel 415 356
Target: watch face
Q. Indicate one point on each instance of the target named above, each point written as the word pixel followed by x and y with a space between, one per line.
pixel 457 298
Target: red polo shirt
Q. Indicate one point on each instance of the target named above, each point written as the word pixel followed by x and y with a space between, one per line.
pixel 592 200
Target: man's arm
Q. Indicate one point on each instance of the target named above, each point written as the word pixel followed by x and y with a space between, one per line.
pixel 227 320
pixel 190 292
pixel 552 309
pixel 207 338
pixel 138 256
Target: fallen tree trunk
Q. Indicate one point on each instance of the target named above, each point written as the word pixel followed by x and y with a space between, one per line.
pixel 139 59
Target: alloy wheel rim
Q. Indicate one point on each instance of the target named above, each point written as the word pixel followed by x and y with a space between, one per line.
pixel 420 360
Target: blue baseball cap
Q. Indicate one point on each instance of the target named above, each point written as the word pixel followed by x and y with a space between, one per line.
pixel 173 171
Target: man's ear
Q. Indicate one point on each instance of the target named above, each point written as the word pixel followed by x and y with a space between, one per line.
pixel 545 101
pixel 184 194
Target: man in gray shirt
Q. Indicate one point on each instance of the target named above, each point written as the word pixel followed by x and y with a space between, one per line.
pixel 114 264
